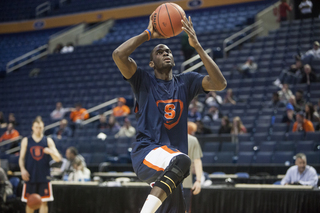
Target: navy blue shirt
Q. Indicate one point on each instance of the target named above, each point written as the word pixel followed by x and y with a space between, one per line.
pixel 162 111
pixel 36 161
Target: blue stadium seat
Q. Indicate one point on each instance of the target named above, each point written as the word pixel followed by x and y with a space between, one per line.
pixel 244 137
pixel 242 175
pixel 312 136
pixel 228 147
pixel 87 157
pixel 267 146
pixel 263 157
pixel 285 146
pixel 211 147
pixel 312 157
pixel 305 146
pixel 295 136
pixel 98 158
pixel 246 146
pixel 208 157
pixel 245 157
pixel 280 157
pixel 223 157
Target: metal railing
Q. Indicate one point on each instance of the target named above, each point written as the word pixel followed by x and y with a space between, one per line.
pixel 42 8
pixel 27 58
pixel 194 58
pixel 253 33
pixel 3 143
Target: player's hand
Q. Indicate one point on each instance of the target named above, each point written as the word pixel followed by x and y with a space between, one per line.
pixel 187 26
pixel 47 151
pixel 154 33
pixel 196 188
pixel 25 175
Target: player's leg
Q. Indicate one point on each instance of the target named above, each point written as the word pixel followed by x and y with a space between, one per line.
pixel 43 207
pixel 29 210
pixel 28 189
pixel 173 175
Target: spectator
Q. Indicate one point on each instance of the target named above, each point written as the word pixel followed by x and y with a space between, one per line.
pixel 308 76
pixel 126 130
pixel 196 103
pixel 225 127
pixel 62 131
pixel 187 50
pixel 289 117
pixel 71 154
pixel 285 93
pixel 300 102
pixel 121 109
pixel 11 133
pixel 68 48
pixel 312 54
pixel 283 8
pixel 202 129
pixel 248 68
pixel 12 119
pixel 301 173
pixel 305 8
pixel 237 127
pixel 213 113
pixel 228 98
pixel 193 114
pixel 3 123
pixel 213 98
pixel 302 124
pixel 311 114
pixel 5 187
pixel 58 48
pixel 113 124
pixel 60 112
pixel 80 172
pixel 102 122
pixel 275 102
pixel 79 114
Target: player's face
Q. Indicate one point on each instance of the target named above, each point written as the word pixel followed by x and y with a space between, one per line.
pixel 162 58
pixel 301 163
pixel 37 128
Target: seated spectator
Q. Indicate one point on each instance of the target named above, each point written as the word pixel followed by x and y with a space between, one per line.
pixel 299 102
pixel 312 54
pixel 213 113
pixel 283 8
pixel 237 126
pixel 113 124
pixel 121 109
pixel 225 127
pixel 11 133
pixel 311 114
pixel 5 187
pixel 228 98
pixel 60 112
pixel 196 103
pixel 212 98
pixel 3 123
pixel 193 114
pixel 302 124
pixel 275 102
pixel 289 117
pixel 102 122
pixel 12 119
pixel 79 114
pixel 248 68
pixel 285 93
pixel 58 48
pixel 202 129
pixel 80 172
pixel 71 154
pixel 62 131
pixel 301 173
pixel 308 76
pixel 68 48
pixel 126 130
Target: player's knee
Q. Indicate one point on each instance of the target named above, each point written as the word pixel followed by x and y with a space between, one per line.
pixel 174 174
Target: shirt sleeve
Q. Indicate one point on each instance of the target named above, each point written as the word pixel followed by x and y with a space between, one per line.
pixel 312 178
pixel 137 79
pixel 194 84
pixel 287 177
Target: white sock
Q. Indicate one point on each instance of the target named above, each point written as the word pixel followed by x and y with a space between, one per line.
pixel 151 204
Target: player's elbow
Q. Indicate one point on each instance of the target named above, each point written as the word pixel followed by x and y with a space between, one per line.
pixel 222 85
pixel 116 55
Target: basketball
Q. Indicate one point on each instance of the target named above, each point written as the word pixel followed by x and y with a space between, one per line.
pixel 167 19
pixel 34 201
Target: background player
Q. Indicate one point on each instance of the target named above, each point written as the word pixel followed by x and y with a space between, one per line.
pixel 162 104
pixel 34 165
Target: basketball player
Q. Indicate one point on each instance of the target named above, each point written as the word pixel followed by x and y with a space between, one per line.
pixel 34 165
pixel 159 156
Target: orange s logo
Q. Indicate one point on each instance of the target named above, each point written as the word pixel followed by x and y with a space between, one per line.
pixel 170 112
pixel 170 108
pixel 36 152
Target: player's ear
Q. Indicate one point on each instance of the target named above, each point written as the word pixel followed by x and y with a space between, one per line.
pixel 151 64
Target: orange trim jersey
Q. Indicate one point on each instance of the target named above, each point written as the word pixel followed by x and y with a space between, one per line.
pixel 162 110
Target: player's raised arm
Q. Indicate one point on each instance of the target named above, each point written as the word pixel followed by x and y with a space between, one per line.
pixel 215 80
pixel 127 65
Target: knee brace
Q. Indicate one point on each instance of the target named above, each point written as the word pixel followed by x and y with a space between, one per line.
pixel 174 174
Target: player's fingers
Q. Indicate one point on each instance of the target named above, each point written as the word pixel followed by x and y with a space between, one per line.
pixel 190 21
pixel 187 31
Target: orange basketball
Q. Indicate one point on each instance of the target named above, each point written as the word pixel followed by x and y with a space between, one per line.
pixel 167 19
pixel 34 201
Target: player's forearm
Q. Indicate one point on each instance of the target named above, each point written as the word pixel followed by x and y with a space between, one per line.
pixel 198 169
pixel 55 156
pixel 213 70
pixel 125 49
pixel 21 164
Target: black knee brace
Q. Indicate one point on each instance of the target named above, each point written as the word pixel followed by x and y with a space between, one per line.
pixel 174 174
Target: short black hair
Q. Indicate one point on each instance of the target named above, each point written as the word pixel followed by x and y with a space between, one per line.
pixel 73 150
pixel 151 55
